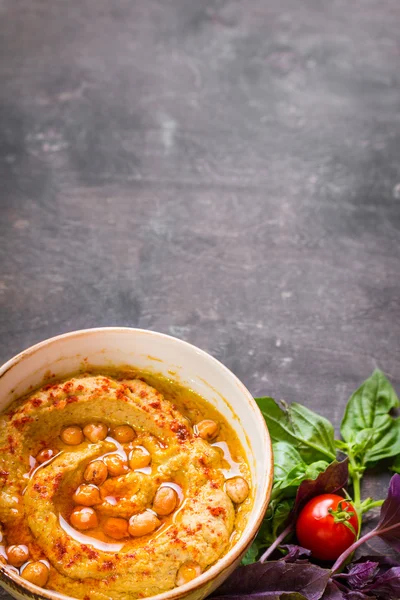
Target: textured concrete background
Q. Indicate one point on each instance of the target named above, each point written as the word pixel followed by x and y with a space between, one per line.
pixel 227 172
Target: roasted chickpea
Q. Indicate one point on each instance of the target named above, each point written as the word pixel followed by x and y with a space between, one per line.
pixel 17 555
pixel 96 472
pixel 95 432
pixel 237 489
pixel 165 501
pixel 123 434
pixel 186 572
pixel 37 573
pixel 45 455
pixel 72 435
pixel 139 458
pixel 143 524
pixel 87 495
pixel 116 528
pixel 207 429
pixel 83 517
pixel 115 465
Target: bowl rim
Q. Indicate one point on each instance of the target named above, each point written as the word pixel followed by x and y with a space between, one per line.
pixel 22 586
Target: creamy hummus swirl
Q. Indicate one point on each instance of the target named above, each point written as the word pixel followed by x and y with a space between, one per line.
pixel 85 566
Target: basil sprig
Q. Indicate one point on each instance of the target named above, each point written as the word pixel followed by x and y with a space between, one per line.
pixel 369 429
pixel 304 447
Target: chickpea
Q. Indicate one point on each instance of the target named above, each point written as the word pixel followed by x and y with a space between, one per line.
pixel 139 458
pixel 87 495
pixel 96 472
pixel 207 429
pixel 37 573
pixel 237 489
pixel 115 465
pixel 165 501
pixel 95 432
pixel 116 528
pixel 186 572
pixel 123 434
pixel 83 517
pixel 72 435
pixel 17 555
pixel 143 524
pixel 45 455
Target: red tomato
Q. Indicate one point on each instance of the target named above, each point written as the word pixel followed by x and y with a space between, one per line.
pixel 320 526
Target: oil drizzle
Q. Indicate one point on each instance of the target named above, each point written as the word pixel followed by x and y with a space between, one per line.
pixel 234 471
pixel 86 539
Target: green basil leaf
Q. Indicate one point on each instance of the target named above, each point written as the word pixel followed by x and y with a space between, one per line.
pixel 280 516
pixel 288 487
pixel 312 471
pixel 290 470
pixel 274 522
pixel 252 553
pixel 286 459
pixel 368 428
pixel 311 434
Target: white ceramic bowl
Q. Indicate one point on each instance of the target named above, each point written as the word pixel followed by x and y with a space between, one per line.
pixel 118 346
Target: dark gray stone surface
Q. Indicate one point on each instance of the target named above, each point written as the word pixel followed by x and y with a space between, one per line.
pixel 226 172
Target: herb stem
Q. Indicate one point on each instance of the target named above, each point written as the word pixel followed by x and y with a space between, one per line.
pixel 277 542
pixel 344 556
pixel 366 507
pixel 356 481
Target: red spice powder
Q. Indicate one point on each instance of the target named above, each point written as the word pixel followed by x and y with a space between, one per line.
pixel 51 386
pixel 11 444
pixel 108 565
pixel 4 475
pixel 181 431
pixel 60 549
pixel 36 402
pixel 92 554
pixel 57 481
pixel 72 399
pixel 155 404
pixel 20 423
pixel 67 387
pixel 216 511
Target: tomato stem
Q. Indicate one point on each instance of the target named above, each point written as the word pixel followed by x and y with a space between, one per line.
pixel 343 515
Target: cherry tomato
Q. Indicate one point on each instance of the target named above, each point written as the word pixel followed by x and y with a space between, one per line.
pixel 321 526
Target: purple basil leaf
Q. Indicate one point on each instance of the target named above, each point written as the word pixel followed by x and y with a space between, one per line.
pixel 384 562
pixel 370 579
pixel 389 524
pixel 332 592
pixel 387 585
pixel 330 481
pixel 294 553
pixel 360 575
pixel 273 580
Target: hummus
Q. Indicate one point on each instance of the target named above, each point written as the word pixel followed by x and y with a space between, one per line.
pixel 38 496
